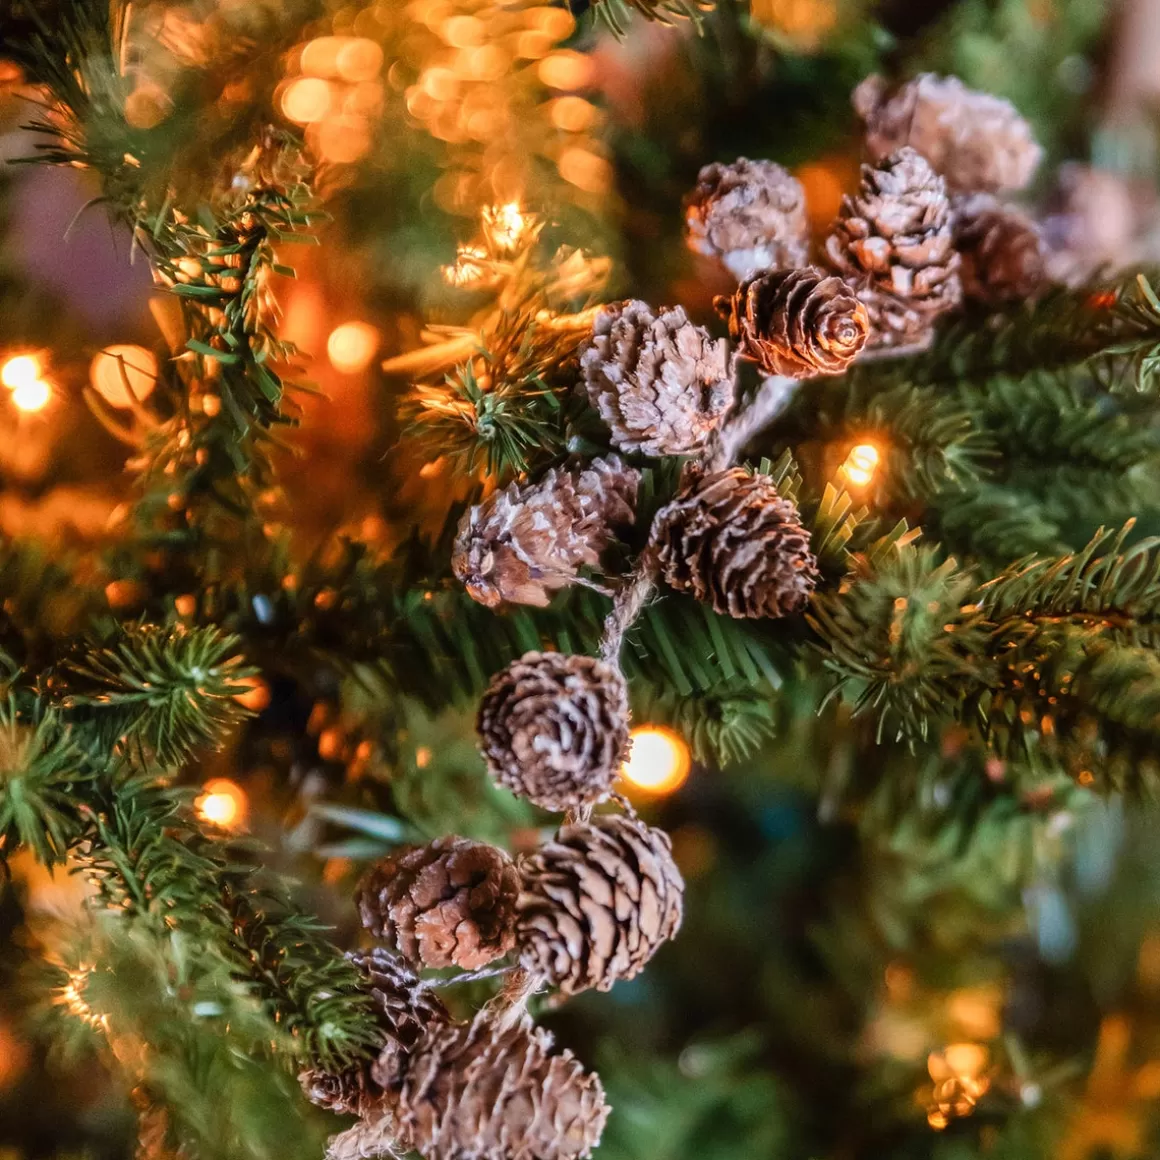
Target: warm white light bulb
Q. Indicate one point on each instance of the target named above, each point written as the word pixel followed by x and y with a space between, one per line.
pixel 659 760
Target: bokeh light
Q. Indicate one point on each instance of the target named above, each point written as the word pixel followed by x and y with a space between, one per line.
pixel 223 804
pixel 659 762
pixel 32 396
pixel 20 370
pixel 116 365
pixel 861 464
pixel 306 100
pixel 351 347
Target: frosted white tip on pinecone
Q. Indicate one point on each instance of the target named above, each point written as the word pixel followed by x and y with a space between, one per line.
pixel 749 214
pixel 978 142
pixel 529 540
pixel 661 383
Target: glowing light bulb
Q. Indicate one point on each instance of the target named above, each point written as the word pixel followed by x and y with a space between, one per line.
pixel 18 371
pixel 116 366
pixel 352 346
pixel 861 464
pixel 31 396
pixel 223 803
pixel 306 100
pixel 256 695
pixel 504 224
pixel 659 761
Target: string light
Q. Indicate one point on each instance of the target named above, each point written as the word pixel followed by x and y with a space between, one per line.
pixel 20 370
pixel 32 396
pixel 659 761
pixel 306 100
pixel 123 374
pixel 861 464
pixel 352 346
pixel 223 804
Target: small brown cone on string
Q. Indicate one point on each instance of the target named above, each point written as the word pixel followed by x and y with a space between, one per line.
pixel 749 214
pixel 797 323
pixel 894 242
pixel 598 901
pixel 448 903
pixel 407 1012
pixel 978 142
pixel 1001 251
pixel 554 729
pixel 494 1089
pixel 736 544
pixel 529 540
pixel 661 383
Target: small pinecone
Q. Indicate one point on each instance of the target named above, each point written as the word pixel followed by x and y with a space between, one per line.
pixel 494 1089
pixel 661 383
pixel 1001 251
pixel 523 543
pixel 731 540
pixel 407 1010
pixel 894 240
pixel 554 728
pixel 345 1093
pixel 751 215
pixel 598 901
pixel 798 323
pixel 449 903
pixel 978 142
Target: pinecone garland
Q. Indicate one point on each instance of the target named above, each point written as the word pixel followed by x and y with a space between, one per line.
pixel 894 241
pixel 661 383
pixel 495 1090
pixel 598 900
pixel 527 541
pixel 554 728
pixel 731 540
pixel 449 903
pixel 751 215
pixel 978 142
pixel 797 323
pixel 1001 251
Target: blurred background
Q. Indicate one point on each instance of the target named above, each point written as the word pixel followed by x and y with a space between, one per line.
pixel 887 956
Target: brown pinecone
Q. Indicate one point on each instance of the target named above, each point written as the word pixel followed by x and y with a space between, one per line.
pixel 407 1010
pixel 978 142
pixel 493 1089
pixel 894 240
pixel 554 728
pixel 449 903
pixel 731 540
pixel 798 323
pixel 345 1093
pixel 598 901
pixel 1001 251
pixel 527 541
pixel 661 383
pixel 751 215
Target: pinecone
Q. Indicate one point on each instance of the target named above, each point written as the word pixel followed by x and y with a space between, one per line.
pixel 495 1090
pixel 345 1093
pixel 661 384
pixel 449 903
pixel 798 323
pixel 894 241
pixel 978 142
pixel 407 1010
pixel 731 540
pixel 1001 251
pixel 751 215
pixel 554 728
pixel 598 900
pixel 523 543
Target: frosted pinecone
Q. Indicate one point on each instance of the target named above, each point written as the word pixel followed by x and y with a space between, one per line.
pixel 661 383
pixel 978 142
pixel 1001 251
pixel 749 214
pixel 529 540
